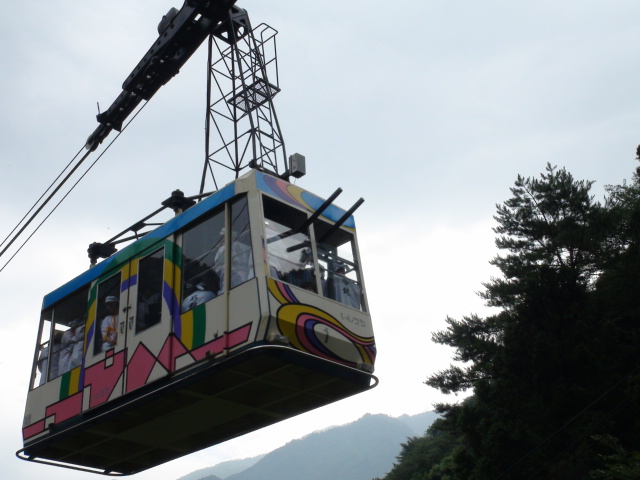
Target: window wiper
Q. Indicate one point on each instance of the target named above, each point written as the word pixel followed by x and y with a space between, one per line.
pixel 342 219
pixel 308 221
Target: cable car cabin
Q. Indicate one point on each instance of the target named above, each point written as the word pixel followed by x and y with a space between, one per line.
pixel 246 309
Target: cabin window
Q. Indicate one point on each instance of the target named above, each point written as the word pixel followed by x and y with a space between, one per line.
pixel 43 354
pixel 150 282
pixel 203 261
pixel 288 245
pixel 108 306
pixel 241 253
pixel 61 348
pixel 70 318
pixel 339 270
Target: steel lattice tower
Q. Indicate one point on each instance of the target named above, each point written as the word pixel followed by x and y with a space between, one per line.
pixel 242 129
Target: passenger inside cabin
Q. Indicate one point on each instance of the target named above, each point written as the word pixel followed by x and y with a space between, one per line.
pixel 109 325
pixel 77 352
pixel 241 259
pixel 43 359
pixel 69 342
pixel 343 289
pixel 43 363
pixel 218 263
pixel 201 295
pixel 309 286
pixel 149 310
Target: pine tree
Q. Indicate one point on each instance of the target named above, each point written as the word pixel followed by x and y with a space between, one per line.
pixel 555 372
pixel 537 363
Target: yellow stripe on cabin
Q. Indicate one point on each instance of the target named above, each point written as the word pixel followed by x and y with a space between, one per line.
pixel 187 329
pixel 74 381
pixel 133 269
pixel 169 278
pixel 90 321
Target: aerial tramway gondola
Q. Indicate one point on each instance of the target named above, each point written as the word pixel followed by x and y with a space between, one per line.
pixel 246 308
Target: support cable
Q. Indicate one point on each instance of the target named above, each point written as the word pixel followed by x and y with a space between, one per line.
pixel 15 237
pixel 33 216
pixel 41 197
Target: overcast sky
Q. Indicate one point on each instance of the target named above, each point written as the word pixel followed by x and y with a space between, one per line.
pixel 427 109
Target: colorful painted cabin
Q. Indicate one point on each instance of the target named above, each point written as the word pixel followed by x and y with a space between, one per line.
pixel 246 309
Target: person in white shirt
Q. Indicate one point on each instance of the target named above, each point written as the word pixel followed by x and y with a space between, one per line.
pixel 109 325
pixel 345 290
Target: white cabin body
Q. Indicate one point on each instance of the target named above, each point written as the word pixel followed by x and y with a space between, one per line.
pixel 244 310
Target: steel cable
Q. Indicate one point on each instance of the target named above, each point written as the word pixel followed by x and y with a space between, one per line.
pixel 49 198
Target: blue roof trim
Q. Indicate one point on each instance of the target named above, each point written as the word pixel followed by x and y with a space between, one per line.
pixel 159 233
pixel 299 197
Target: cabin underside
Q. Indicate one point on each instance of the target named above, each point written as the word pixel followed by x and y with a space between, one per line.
pixel 211 403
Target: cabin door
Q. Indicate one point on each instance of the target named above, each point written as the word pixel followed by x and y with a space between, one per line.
pixel 105 357
pixel 148 319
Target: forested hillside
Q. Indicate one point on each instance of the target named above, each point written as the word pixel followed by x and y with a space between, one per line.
pixel 554 371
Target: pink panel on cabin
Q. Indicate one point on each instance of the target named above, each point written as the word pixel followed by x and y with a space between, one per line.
pixel 212 348
pixel 139 367
pixel 65 409
pixel 103 379
pixel 228 340
pixel 32 430
pixel 171 349
pixel 238 336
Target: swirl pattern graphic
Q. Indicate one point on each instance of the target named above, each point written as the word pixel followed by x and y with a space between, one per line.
pixel 316 331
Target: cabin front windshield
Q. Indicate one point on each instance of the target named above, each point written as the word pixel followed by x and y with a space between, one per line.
pixel 292 257
pixel 288 245
pixel 339 269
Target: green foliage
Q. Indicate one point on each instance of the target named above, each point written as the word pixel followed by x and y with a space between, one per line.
pixel 558 362
pixel 427 457
pixel 618 463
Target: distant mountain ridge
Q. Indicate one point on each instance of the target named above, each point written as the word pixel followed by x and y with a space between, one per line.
pixel 361 450
pixel 222 470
